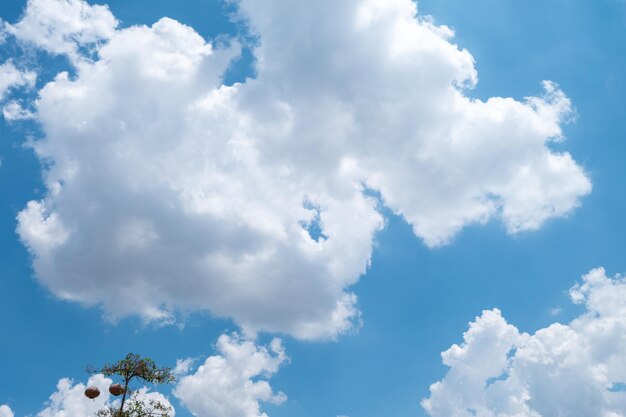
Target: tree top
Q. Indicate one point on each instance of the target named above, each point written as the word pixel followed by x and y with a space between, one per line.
pixel 134 366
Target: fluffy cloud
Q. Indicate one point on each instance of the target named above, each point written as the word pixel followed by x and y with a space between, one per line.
pixel 169 191
pixel 11 77
pixel 233 383
pixel 5 411
pixel 151 402
pixel 575 369
pixel 63 26
pixel 380 91
pixel 69 399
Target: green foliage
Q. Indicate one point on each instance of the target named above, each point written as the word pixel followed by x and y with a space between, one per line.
pixel 137 408
pixel 135 368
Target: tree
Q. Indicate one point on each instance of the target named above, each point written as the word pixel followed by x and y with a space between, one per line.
pixel 134 368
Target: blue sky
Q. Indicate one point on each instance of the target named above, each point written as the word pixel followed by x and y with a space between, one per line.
pixel 415 299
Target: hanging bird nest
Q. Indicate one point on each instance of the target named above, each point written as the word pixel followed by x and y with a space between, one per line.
pixel 92 392
pixel 116 389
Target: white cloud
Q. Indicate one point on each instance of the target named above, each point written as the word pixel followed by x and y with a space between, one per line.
pixel 233 383
pixel 14 111
pixel 69 400
pixel 575 369
pixel 169 191
pixel 147 399
pixel 5 411
pixel 11 77
pixel 183 367
pixel 64 26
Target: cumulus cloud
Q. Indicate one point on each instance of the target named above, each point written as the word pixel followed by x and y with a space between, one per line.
pixel 11 77
pixel 5 411
pixel 170 191
pixel 63 26
pixel 234 382
pixel 574 369
pixel 151 402
pixel 69 399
